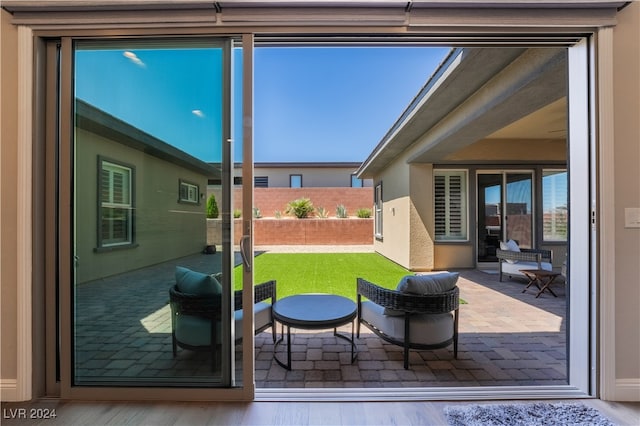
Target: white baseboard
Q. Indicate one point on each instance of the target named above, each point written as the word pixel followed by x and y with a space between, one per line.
pixel 627 390
pixel 8 390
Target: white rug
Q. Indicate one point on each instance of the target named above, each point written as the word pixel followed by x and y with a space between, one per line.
pixel 525 414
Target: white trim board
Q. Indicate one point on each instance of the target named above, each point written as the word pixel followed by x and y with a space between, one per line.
pixel 626 390
pixel 9 390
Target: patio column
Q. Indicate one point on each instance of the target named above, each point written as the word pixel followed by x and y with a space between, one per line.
pixel 421 249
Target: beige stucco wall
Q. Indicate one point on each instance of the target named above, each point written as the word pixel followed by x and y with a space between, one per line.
pixel 396 211
pixel 164 228
pixel 421 222
pixel 9 193
pixel 311 177
pixel 627 190
pixel 453 256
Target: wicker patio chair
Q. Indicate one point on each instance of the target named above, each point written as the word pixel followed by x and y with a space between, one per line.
pixel 411 321
pixel 510 261
pixel 195 318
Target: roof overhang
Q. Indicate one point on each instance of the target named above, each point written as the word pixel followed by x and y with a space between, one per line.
pixel 96 121
pixel 474 93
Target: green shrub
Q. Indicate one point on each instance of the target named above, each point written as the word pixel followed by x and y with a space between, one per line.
pixel 256 213
pixel 341 211
pixel 277 214
pixel 237 213
pixel 212 207
pixel 322 213
pixel 363 213
pixel 300 208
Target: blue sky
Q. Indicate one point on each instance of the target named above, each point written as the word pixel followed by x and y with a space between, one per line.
pixel 311 104
pixel 333 104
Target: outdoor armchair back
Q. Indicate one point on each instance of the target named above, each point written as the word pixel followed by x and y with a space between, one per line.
pixel 413 321
pixel 510 261
pixel 195 319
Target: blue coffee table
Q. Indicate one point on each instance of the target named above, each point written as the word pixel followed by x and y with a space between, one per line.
pixel 314 312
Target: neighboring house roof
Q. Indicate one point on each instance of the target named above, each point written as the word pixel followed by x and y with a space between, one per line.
pixel 304 165
pixel 97 121
pixel 474 93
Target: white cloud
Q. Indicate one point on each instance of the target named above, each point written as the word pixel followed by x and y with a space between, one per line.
pixel 198 113
pixel 133 58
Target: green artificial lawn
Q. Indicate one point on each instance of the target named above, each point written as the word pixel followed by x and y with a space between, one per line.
pixel 333 273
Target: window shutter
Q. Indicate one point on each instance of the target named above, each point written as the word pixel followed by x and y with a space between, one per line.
pixel 450 205
pixel 440 206
pixel 455 205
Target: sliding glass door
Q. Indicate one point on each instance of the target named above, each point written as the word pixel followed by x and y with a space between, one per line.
pixel 505 211
pixel 152 274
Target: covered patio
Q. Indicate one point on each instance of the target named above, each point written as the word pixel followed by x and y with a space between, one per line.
pixel 507 338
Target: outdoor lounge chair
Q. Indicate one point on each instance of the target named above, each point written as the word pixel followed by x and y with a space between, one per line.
pixel 512 259
pixel 422 313
pixel 196 304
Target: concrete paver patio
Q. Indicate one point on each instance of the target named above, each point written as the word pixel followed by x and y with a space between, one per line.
pixel 506 338
pixel 123 332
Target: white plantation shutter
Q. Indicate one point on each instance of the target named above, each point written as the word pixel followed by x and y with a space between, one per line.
pixel 116 207
pixel 450 205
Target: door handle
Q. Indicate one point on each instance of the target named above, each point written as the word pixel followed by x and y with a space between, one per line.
pixel 246 257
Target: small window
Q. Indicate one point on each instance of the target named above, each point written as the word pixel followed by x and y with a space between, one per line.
pixel 295 181
pixel 115 212
pixel 555 212
pixel 261 181
pixel 355 182
pixel 450 204
pixel 189 193
pixel 378 211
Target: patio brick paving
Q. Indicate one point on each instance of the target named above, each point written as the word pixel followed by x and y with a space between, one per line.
pixel 506 338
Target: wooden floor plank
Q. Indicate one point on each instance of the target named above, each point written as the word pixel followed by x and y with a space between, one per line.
pixel 269 413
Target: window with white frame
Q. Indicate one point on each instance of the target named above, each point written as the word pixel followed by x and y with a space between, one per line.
pixel 378 211
pixel 189 193
pixel 116 204
pixel 450 204
pixel 555 211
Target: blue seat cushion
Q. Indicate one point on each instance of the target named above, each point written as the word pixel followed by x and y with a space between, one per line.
pixel 196 283
pixel 196 331
pixel 262 315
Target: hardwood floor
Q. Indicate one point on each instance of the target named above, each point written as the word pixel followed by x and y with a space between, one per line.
pixel 261 413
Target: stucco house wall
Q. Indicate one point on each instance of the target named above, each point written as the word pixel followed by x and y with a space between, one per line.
pixel 496 151
pixel 396 210
pixel 164 228
pixel 626 98
pixel 314 175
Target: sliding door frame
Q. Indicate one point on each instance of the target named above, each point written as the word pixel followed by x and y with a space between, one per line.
pixel 584 372
pixel 245 391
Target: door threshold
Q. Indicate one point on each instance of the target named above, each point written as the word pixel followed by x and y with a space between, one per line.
pixel 421 394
